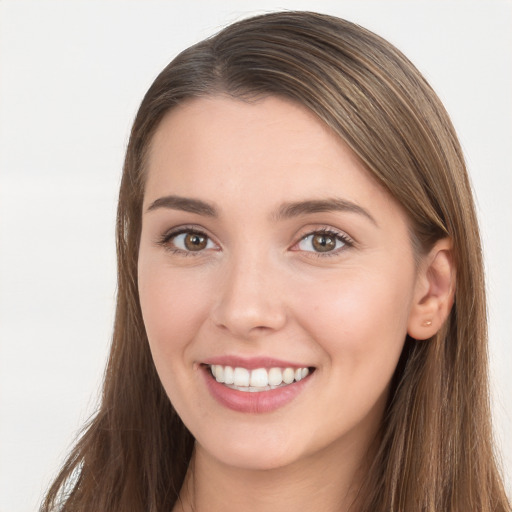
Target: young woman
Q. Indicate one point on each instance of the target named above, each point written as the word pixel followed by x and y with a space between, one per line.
pixel 301 312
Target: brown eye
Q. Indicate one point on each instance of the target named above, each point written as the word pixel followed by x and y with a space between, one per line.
pixel 323 242
pixel 195 241
pixel 188 242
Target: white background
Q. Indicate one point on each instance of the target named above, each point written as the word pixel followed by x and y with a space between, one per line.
pixel 72 74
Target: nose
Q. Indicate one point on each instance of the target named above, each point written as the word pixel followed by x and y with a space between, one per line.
pixel 251 299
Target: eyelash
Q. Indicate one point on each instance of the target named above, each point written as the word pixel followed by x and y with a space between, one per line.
pixel 329 232
pixel 166 238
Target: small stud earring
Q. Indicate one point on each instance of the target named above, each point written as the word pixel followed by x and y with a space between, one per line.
pixel 427 323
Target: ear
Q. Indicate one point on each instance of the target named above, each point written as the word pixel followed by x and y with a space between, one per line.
pixel 434 292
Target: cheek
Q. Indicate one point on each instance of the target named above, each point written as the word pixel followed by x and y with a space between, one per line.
pixel 360 320
pixel 173 308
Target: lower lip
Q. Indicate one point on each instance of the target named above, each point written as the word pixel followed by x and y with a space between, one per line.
pixel 253 402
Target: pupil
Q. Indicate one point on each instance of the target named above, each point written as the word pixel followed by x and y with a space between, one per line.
pixel 323 243
pixel 194 242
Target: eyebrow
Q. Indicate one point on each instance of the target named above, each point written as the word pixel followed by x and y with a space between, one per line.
pixel 295 209
pixel 185 204
pixel 285 211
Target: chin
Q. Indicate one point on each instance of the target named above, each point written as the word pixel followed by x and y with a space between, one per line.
pixel 256 461
pixel 253 455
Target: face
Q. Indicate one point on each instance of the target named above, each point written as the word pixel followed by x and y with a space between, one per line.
pixel 270 258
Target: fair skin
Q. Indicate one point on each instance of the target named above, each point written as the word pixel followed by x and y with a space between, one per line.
pixel 290 252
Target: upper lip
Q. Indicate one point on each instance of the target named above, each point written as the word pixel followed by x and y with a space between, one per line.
pixel 252 363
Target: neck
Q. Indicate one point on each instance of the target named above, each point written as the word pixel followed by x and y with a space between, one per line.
pixel 327 481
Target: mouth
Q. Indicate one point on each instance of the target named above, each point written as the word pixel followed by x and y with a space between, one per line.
pixel 258 379
pixel 257 384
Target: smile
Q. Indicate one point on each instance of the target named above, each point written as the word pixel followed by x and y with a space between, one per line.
pixel 258 379
pixel 258 385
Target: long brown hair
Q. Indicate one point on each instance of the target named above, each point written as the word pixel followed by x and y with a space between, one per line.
pixel 436 452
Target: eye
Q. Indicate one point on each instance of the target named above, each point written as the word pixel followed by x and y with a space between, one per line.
pixel 187 241
pixel 323 242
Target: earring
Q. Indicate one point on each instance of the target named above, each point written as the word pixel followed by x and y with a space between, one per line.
pixel 427 323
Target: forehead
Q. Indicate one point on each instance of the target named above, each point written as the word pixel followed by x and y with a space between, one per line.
pixel 219 148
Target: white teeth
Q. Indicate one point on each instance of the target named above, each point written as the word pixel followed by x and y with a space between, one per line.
pixel 275 376
pixel 259 379
pixel 241 377
pixel 229 375
pixel 219 373
pixel 288 375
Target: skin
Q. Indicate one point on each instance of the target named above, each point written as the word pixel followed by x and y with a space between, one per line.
pixel 260 288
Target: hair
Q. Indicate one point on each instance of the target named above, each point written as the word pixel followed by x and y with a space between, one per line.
pixel 436 450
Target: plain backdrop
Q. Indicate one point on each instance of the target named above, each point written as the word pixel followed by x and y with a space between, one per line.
pixel 72 74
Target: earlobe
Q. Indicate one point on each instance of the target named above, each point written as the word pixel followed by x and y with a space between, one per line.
pixel 434 292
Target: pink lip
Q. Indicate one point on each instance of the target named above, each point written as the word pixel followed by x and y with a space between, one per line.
pixel 252 363
pixel 258 402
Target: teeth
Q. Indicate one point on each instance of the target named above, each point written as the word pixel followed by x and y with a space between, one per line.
pixel 275 376
pixel 259 379
pixel 288 376
pixel 219 374
pixel 229 375
pixel 242 377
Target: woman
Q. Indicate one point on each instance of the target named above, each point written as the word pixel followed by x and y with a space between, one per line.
pixel 301 310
